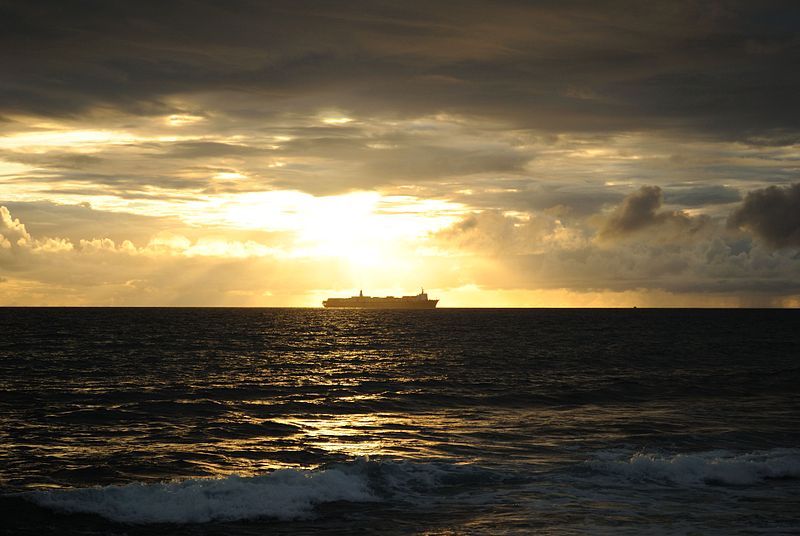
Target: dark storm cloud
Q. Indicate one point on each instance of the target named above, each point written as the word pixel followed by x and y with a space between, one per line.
pixel 640 210
pixel 772 214
pixel 636 212
pixel 721 67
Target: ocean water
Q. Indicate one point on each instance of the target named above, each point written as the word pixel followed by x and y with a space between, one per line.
pixel 452 421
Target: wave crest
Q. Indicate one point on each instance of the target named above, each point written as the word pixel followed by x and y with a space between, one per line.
pixel 713 467
pixel 283 494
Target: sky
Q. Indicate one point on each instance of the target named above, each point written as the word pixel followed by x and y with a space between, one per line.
pixel 498 153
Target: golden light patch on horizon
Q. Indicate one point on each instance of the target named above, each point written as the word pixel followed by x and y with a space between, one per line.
pixel 791 302
pixel 473 295
pixel 179 120
pixel 229 176
pixel 590 153
pixel 336 120
pixel 14 168
pixel 79 141
pixel 62 138
pixel 37 123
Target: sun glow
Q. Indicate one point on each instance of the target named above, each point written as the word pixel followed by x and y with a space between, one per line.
pixel 336 120
pixel 179 120
pixel 364 229
pixel 229 176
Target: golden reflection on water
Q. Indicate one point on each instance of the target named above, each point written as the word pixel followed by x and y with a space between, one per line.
pixel 351 435
pixel 248 445
pixel 378 434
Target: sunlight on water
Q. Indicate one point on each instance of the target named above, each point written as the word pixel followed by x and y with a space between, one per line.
pixel 343 434
pixel 464 420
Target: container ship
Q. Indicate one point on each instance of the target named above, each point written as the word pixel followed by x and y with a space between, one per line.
pixel 420 301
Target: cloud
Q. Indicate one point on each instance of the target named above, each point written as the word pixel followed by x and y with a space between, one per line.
pixel 496 251
pixel 426 163
pixel 524 195
pixel 161 241
pixel 772 214
pixel 208 149
pixel 489 250
pixel 641 248
pixel 639 211
pixel 493 233
pixel 699 196
pixel 12 231
pixel 540 119
pixel 577 67
pixel 77 222
pixel 168 269
pixel 52 159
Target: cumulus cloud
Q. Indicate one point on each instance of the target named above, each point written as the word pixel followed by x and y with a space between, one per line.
pixel 772 214
pixel 495 233
pixel 12 232
pixel 640 211
pixel 168 269
pixel 76 222
pixel 490 249
pixel 163 243
pixel 505 252
pixel 642 248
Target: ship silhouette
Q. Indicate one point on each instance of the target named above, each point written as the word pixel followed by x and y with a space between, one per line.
pixel 420 301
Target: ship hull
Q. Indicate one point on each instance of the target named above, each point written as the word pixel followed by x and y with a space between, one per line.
pixel 378 303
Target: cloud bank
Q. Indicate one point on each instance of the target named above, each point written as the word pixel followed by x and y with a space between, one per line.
pixel 169 152
pixel 632 246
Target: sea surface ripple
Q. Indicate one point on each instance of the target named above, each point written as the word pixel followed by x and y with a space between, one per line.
pixel 451 421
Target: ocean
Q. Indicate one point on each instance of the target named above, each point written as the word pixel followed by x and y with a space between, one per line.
pixel 451 421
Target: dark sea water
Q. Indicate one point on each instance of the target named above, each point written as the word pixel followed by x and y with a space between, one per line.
pixel 311 421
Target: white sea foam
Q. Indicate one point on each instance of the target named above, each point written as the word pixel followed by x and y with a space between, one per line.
pixel 712 467
pixel 283 494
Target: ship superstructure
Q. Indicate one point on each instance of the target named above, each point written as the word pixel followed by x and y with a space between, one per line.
pixel 420 301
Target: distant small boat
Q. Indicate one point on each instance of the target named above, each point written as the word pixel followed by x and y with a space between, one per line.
pixel 420 301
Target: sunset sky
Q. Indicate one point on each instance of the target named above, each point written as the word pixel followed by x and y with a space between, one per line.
pixel 246 153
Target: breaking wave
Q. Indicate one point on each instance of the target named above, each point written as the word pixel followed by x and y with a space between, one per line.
pixel 712 467
pixel 283 494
